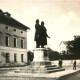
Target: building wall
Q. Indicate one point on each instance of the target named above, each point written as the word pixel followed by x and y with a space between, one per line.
pixel 11 49
pixel 63 48
pixel 11 33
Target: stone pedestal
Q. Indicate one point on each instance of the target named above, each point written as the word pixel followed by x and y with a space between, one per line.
pixel 41 60
pixel 40 54
pixel 41 57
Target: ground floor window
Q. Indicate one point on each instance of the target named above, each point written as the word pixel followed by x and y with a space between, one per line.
pixel 7 57
pixel 22 57
pixel 15 57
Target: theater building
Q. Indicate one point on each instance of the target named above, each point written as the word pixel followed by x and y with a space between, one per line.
pixel 13 41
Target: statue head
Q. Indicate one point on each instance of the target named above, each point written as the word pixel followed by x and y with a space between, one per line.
pixel 42 23
pixel 37 21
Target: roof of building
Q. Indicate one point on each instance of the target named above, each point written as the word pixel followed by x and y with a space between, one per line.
pixel 64 42
pixel 5 18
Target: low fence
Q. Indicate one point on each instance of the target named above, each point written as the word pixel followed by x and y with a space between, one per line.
pixel 66 62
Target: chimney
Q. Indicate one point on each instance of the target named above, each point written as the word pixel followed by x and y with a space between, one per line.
pixel 7 14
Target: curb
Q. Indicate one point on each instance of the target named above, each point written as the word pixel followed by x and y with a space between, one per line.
pixel 68 75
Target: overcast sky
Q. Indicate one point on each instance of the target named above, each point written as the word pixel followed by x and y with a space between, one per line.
pixel 61 17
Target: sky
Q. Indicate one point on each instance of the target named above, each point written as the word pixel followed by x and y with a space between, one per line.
pixel 61 18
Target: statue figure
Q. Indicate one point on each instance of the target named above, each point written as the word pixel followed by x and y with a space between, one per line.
pixel 40 34
pixel 37 31
pixel 43 35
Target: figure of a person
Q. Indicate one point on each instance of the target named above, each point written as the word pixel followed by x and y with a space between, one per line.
pixel 60 63
pixel 74 65
pixel 37 31
pixel 43 35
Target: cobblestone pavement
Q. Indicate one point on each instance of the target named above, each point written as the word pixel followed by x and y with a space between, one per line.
pixel 74 77
pixel 35 76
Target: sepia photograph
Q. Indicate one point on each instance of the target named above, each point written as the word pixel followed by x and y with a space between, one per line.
pixel 39 39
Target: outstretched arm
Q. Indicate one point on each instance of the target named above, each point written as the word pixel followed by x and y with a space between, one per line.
pixel 48 36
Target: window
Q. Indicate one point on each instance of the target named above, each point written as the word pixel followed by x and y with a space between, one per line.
pixel 15 42
pixel 21 31
pixel 7 57
pixel 15 30
pixel 22 57
pixel 22 43
pixel 15 57
pixel 7 40
pixel 6 27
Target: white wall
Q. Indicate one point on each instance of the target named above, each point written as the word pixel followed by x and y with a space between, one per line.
pixel 12 51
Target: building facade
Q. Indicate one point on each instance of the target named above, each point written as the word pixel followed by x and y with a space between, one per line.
pixel 13 41
pixel 63 47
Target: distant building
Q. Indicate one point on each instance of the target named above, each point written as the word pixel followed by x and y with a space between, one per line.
pixel 63 47
pixel 76 36
pixel 13 41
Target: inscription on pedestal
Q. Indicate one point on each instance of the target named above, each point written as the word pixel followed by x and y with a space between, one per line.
pixel 40 54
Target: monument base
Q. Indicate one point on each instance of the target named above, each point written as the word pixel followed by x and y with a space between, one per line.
pixel 41 62
pixel 41 57
pixel 40 54
pixel 42 67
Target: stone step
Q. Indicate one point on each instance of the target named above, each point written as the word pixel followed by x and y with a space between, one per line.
pixel 3 69
pixel 10 69
pixel 29 69
pixel 40 70
pixel 23 71
pixel 56 70
pixel 50 68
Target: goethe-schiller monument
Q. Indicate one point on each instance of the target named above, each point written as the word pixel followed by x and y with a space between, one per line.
pixel 41 62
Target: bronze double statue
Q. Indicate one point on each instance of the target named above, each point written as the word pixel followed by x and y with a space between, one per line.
pixel 40 34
